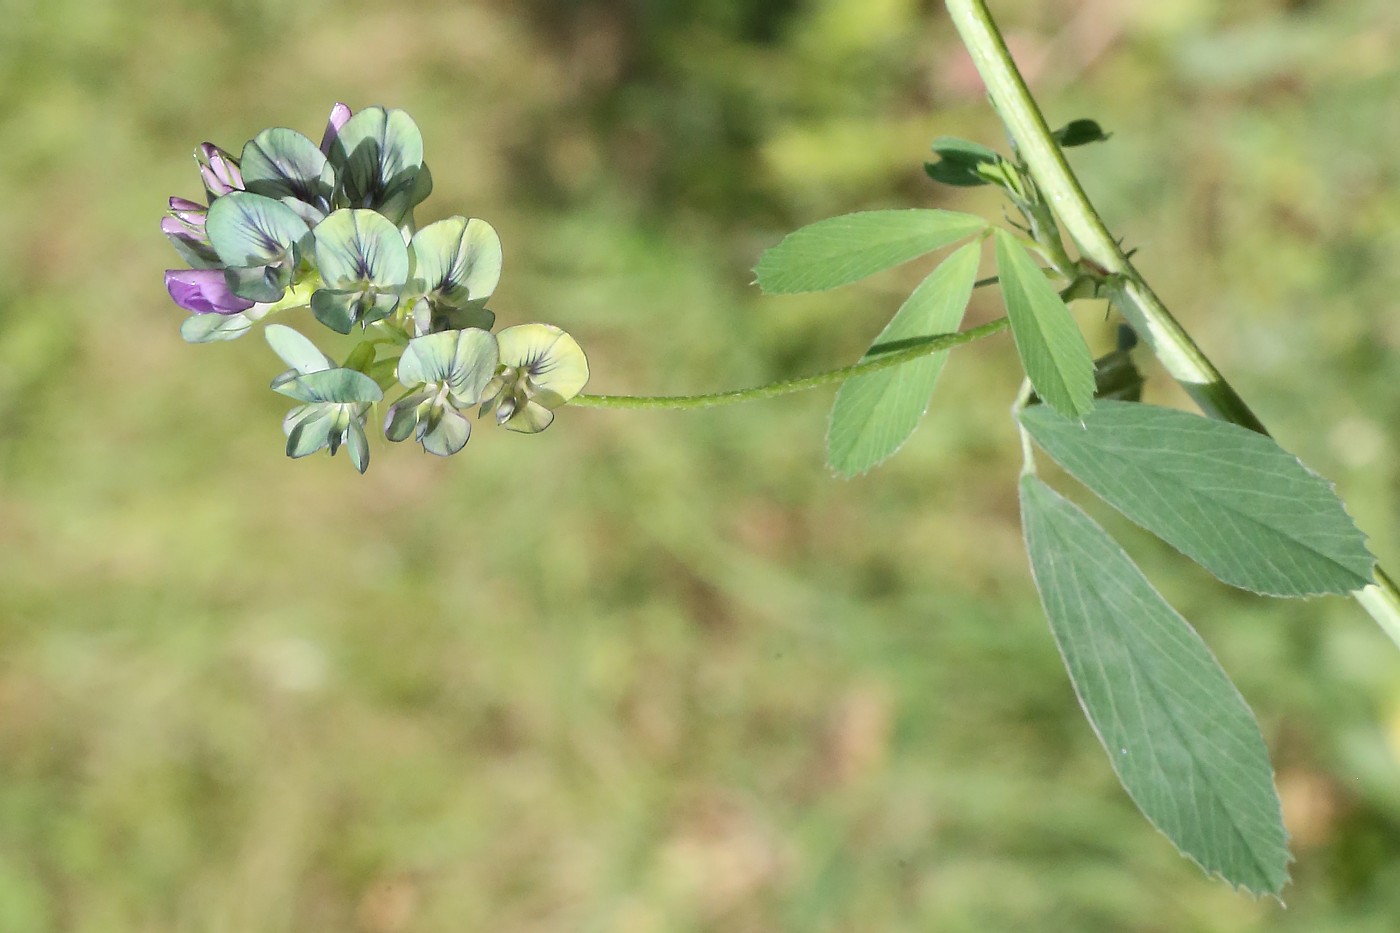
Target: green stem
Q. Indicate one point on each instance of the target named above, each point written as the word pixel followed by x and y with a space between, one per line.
pixel 923 348
pixel 1144 310
pixel 1132 296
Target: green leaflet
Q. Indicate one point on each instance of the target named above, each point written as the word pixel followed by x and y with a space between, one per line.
pixel 1230 499
pixel 1179 735
pixel 844 249
pixel 1052 349
pixel 1079 133
pixel 874 414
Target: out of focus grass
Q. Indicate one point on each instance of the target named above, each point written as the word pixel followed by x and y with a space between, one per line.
pixel 655 672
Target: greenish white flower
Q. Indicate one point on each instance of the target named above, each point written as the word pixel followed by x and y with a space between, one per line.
pixel 445 374
pixel 457 265
pixel 260 242
pixel 377 156
pixel 542 367
pixel 364 266
pixel 283 164
pixel 335 401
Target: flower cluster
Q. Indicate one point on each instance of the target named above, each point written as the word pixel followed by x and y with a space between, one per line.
pixel 291 226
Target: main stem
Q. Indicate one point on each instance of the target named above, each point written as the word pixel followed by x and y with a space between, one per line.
pixel 1138 303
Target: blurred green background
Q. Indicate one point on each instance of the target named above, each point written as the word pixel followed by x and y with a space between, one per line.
pixel 656 671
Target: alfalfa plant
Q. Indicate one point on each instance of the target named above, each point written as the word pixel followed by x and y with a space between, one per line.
pixel 328 230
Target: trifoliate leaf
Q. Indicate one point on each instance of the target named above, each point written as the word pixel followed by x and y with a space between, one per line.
pixel 1053 351
pixel 844 249
pixel 1179 735
pixel 875 413
pixel 1232 500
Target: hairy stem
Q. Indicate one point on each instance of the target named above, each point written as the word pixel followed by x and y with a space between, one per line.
pixel 920 348
pixel 1179 354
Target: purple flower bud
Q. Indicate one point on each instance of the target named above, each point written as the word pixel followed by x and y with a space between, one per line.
pixel 184 227
pixel 340 114
pixel 184 204
pixel 174 227
pixel 219 169
pixel 203 291
pixel 189 214
pixel 192 235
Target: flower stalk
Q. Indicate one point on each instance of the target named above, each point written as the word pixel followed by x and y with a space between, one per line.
pixel 800 384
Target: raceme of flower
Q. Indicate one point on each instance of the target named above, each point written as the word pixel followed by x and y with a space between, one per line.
pixel 327 232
